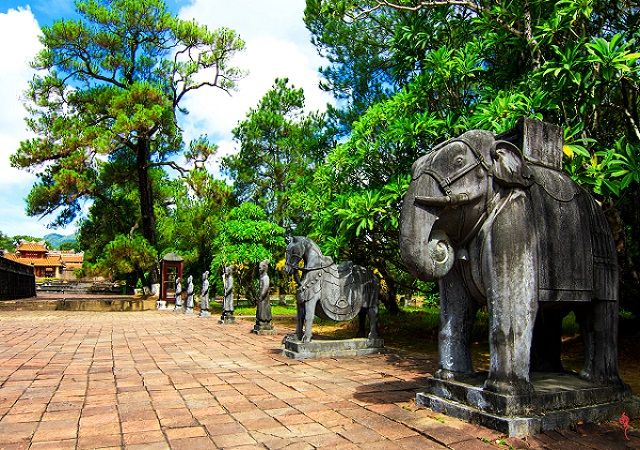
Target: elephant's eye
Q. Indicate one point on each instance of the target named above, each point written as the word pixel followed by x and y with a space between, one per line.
pixel 459 160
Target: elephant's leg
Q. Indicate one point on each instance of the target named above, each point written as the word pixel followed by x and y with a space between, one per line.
pixel 599 327
pixel 510 268
pixel 310 308
pixel 510 334
pixel 584 317
pixel 457 313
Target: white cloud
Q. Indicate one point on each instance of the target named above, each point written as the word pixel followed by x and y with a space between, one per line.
pixel 19 44
pixel 13 220
pixel 277 46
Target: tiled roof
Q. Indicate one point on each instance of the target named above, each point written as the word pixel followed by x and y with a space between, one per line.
pixel 30 246
pixel 72 258
pixel 49 261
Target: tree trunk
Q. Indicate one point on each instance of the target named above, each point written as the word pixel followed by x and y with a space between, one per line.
pixel 629 276
pixel 389 298
pixel 146 200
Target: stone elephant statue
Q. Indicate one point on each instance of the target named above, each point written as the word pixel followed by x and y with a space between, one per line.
pixel 497 229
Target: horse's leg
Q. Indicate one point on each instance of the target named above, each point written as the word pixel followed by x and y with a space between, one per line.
pixel 361 323
pixel 372 310
pixel 299 319
pixel 310 307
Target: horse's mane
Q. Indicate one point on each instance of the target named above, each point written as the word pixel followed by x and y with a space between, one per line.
pixel 307 242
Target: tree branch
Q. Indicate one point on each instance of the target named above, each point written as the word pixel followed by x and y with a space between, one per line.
pixel 471 6
pixel 184 172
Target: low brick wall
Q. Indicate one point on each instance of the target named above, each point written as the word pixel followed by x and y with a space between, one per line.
pixel 16 280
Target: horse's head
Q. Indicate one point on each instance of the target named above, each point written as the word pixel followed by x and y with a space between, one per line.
pixel 294 254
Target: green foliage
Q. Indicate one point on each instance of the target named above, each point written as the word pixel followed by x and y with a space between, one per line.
pixel 105 103
pixel 361 69
pixel 279 146
pixel 128 256
pixel 25 237
pixel 245 239
pixel 288 311
pixel 188 228
pixel 6 242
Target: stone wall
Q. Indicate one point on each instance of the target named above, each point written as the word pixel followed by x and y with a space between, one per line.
pixel 16 280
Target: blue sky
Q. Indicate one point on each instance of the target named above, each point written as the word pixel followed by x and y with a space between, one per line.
pixel 277 45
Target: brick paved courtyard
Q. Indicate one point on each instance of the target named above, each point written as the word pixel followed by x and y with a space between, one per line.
pixel 148 380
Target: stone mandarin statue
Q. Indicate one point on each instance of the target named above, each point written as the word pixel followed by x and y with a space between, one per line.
pixel 189 295
pixel 204 296
pixel 263 311
pixel 227 302
pixel 178 304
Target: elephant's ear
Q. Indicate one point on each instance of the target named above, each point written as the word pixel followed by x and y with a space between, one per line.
pixel 509 167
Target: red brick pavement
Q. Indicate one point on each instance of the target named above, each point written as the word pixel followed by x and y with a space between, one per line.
pixel 148 380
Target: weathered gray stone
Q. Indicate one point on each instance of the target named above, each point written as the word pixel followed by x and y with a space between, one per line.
pixel 263 310
pixel 539 142
pixel 178 304
pixel 265 332
pixel 227 320
pixel 559 400
pixel 189 309
pixel 296 349
pixel 227 300
pixel 204 296
pixel 497 223
pixel 330 291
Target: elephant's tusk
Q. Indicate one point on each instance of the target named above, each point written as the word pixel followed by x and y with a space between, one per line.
pixel 446 200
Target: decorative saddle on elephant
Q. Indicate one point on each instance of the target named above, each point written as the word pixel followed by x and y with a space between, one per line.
pixel 575 265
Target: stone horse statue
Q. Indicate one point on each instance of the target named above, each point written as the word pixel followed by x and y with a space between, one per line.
pixel 330 291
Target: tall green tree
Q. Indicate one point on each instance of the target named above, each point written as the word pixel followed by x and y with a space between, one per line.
pixel 463 65
pixel 111 85
pixel 360 55
pixel 246 238
pixel 280 144
pixel 127 257
pixel 6 242
pixel 198 207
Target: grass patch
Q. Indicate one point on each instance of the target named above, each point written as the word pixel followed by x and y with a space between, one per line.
pixel 245 309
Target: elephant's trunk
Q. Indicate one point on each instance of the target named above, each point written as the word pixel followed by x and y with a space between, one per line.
pixel 427 253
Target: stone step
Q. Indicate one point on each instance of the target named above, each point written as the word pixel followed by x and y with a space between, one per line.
pixel 519 426
pixel 106 303
pixel 552 391
pixel 296 349
pixel 559 400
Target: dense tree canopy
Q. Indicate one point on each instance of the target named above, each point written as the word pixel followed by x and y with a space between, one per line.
pixel 107 97
pixel 199 206
pixel 454 66
pixel 406 75
pixel 246 238
pixel 280 145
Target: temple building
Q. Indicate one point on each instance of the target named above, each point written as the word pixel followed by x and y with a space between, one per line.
pixel 57 264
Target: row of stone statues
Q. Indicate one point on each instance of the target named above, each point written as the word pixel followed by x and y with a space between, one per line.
pixel 263 312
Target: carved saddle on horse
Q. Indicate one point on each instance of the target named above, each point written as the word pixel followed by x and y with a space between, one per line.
pixel 341 289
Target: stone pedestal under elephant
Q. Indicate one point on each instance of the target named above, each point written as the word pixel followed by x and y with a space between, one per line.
pixel 521 237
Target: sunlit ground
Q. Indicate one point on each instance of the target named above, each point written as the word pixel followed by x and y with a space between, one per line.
pixel 416 330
